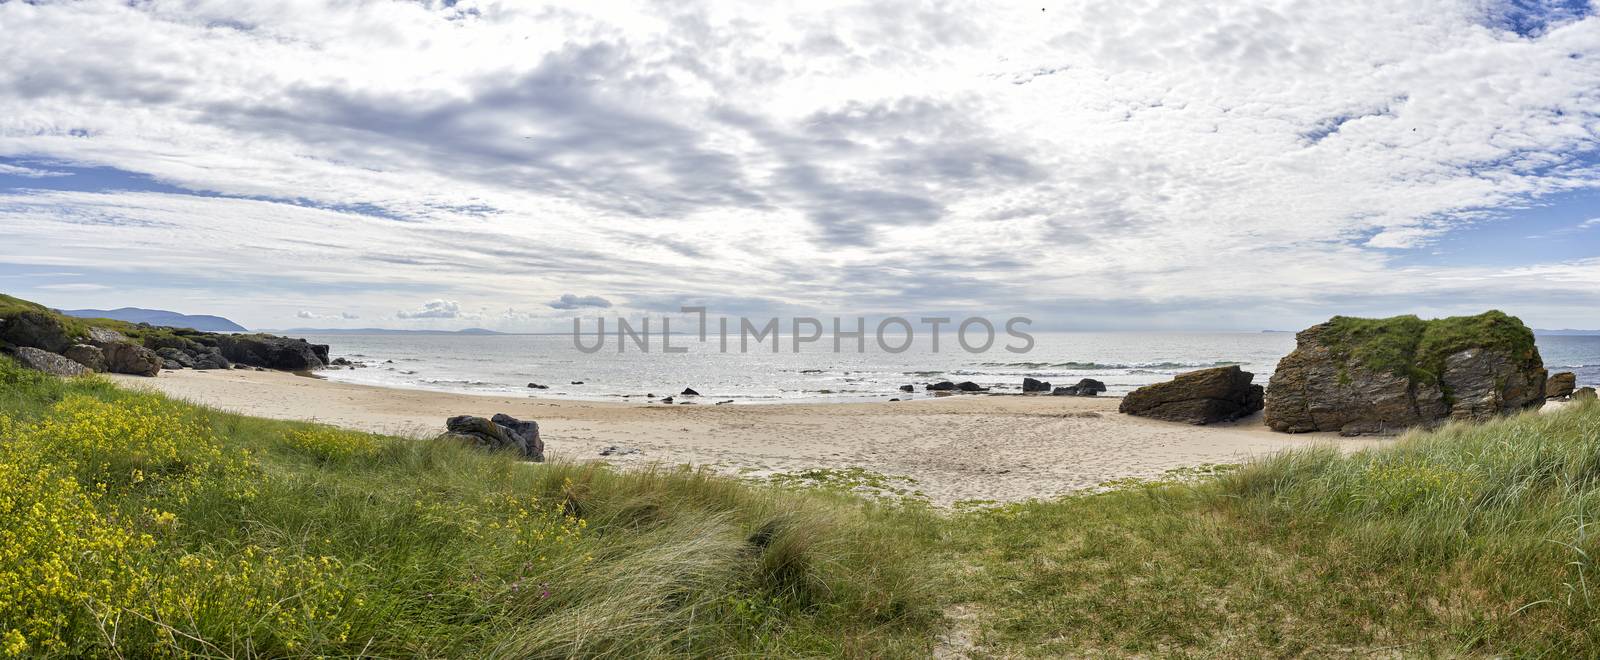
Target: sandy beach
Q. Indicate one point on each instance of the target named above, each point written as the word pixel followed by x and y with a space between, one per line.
pixel 970 447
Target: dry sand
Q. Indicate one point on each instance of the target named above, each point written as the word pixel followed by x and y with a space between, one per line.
pixel 968 447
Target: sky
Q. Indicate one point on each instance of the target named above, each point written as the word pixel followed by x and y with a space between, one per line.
pixel 1093 164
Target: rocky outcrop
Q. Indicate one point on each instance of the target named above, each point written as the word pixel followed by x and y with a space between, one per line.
pixel 1359 376
pixel 50 363
pixel 124 358
pixel 1085 387
pixel 499 433
pixel 36 330
pixel 273 352
pixel 1560 385
pixel 941 386
pixel 175 359
pixel 1034 385
pixel 1198 397
pixel 86 355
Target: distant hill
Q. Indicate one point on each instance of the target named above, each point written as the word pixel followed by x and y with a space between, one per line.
pixel 386 331
pixel 205 322
pixel 1566 331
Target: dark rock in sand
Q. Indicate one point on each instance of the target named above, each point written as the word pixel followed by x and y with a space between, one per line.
pixel 1360 376
pixel 577 382
pixel 688 391
pixel 273 352
pixel 1560 385
pixel 36 330
pixel 124 358
pixel 1198 397
pixel 499 433
pixel 86 355
pixel 1085 387
pixel 942 386
pixel 908 388
pixel 969 386
pixel 1034 385
pixel 174 356
pixel 666 399
pixel 42 360
pixel 538 386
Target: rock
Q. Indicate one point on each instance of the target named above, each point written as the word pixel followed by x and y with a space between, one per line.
pixel 577 382
pixel 173 355
pixel 666 399
pixel 170 365
pixel 1583 394
pixel 342 362
pixel 39 359
pixel 942 386
pixel 1359 376
pixel 209 357
pixel 538 386
pixel 724 401
pixel 1560 385
pixel 614 450
pixel 688 391
pixel 1085 387
pixel 125 358
pixel 36 330
pixel 1197 397
pixel 273 352
pixel 893 400
pixel 86 355
pixel 969 386
pixel 1032 385
pixel 99 336
pixel 499 433
pixel 908 388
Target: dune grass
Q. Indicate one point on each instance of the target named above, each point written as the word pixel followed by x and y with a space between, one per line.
pixel 139 525
pixel 134 525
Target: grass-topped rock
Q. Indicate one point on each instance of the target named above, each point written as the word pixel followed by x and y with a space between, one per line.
pixel 1356 375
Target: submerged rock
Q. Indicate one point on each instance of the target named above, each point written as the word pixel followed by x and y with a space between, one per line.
pixel 1560 385
pixel 39 359
pixel 499 433
pixel 1198 397
pixel 1085 387
pixel 1359 376
pixel 969 386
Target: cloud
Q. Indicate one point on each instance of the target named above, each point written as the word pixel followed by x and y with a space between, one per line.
pixel 344 316
pixel 435 309
pixel 73 287
pixel 29 172
pixel 840 156
pixel 570 301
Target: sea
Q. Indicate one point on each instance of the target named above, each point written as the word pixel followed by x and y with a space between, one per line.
pixel 505 364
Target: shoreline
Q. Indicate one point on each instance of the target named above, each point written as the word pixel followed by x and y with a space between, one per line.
pixel 1001 448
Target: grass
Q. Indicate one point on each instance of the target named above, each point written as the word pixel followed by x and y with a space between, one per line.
pixel 1411 347
pixel 135 525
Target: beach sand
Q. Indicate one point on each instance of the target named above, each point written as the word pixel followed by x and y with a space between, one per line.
pixel 967 447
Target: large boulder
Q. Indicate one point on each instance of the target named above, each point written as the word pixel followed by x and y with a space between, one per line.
pixel 50 363
pixel 173 356
pixel 273 352
pixel 36 329
pixel 1560 385
pixel 1198 397
pixel 1360 376
pixel 124 358
pixel 86 355
pixel 1085 387
pixel 501 432
pixel 209 357
pixel 1035 385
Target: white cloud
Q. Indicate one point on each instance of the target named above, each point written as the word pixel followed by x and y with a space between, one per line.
pixel 436 309
pixel 343 316
pixel 839 156
pixel 83 286
pixel 29 172
pixel 571 301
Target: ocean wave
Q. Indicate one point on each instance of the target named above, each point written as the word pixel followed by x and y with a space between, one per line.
pixel 1113 365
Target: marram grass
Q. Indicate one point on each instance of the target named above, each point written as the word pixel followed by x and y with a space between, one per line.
pixel 132 525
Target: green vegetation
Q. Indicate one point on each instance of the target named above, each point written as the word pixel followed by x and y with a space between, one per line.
pixel 1411 347
pixel 135 523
